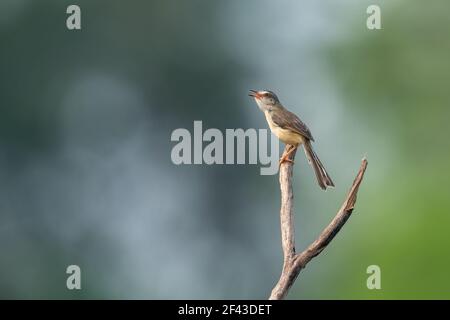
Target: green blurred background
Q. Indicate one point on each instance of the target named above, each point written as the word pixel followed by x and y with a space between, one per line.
pixel 85 124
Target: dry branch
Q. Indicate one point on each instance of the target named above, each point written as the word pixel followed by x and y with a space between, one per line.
pixel 295 262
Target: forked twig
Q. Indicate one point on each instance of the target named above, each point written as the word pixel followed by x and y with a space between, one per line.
pixel 295 262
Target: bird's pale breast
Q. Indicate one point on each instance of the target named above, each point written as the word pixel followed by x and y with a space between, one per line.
pixel 285 135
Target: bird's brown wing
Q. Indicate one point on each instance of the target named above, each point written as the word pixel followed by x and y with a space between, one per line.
pixel 291 122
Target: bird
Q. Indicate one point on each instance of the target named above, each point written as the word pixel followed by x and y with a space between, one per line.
pixel 291 131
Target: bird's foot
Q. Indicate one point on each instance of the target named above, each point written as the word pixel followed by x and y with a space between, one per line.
pixel 285 159
pixel 286 155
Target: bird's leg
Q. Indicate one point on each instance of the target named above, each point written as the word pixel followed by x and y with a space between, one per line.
pixel 285 156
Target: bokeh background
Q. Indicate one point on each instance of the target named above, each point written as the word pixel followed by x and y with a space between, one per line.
pixel 85 124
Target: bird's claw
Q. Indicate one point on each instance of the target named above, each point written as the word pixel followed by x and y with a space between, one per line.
pixel 282 160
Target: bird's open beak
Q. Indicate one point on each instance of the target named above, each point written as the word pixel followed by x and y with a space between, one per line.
pixel 254 94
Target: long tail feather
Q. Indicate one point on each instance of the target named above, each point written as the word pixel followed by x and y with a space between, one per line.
pixel 322 176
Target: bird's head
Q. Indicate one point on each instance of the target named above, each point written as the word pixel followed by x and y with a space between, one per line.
pixel 265 99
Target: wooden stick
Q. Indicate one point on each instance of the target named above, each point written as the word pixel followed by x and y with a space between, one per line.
pixel 295 262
